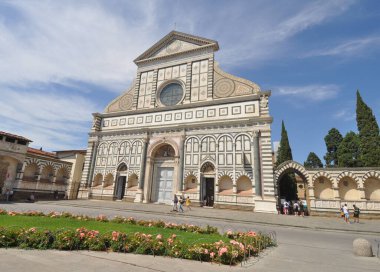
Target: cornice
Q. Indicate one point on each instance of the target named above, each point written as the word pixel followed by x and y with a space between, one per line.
pixel 217 101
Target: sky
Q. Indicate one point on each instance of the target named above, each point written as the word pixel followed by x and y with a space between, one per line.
pixel 61 61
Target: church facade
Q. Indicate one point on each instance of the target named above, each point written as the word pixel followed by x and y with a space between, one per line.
pixel 183 127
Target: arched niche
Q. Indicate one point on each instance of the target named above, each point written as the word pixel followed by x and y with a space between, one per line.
pixel 348 189
pixel 97 180
pixel 31 172
pixel 132 184
pixel 372 189
pixel 323 188
pixel 62 175
pixel 108 180
pixel 225 185
pixel 47 174
pixel 244 186
pixel 191 184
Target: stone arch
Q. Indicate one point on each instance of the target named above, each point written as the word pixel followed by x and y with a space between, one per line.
pixel 113 148
pixel 62 174
pixel 31 171
pixel 103 149
pixel 208 167
pixel 348 174
pixel 190 173
pixel 289 166
pixel 191 137
pixel 225 185
pixel 125 147
pixel 153 148
pixel 122 166
pixel 244 186
pixel 371 184
pixel 243 173
pixel 47 173
pixel 225 173
pixel 242 134
pixel 322 174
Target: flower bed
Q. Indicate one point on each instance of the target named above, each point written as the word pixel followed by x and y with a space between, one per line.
pixel 239 247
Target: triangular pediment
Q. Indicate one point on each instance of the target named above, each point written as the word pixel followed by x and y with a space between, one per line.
pixel 176 43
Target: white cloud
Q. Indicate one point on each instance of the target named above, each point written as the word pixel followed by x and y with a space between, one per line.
pixel 347 48
pixel 310 92
pixel 345 115
pixel 51 120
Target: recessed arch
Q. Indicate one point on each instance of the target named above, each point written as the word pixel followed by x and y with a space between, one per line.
pixel 244 186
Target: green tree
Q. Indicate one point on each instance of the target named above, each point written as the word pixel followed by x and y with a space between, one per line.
pixel 313 161
pixel 349 151
pixel 284 151
pixel 369 138
pixel 332 140
pixel 287 184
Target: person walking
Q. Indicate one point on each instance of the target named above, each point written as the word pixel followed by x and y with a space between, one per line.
pixel 181 202
pixel 175 203
pixel 356 214
pixel 295 208
pixel 302 209
pixel 346 214
pixel 188 203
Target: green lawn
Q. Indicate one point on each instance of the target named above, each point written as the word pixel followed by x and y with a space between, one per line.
pixel 103 227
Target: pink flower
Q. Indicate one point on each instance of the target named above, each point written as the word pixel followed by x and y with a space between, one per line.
pixel 159 237
pixel 212 254
pixel 81 235
pixel 206 251
pixel 170 241
pixel 222 251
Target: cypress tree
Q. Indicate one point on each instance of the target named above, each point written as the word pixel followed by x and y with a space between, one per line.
pixel 369 138
pixel 284 150
pixel 287 184
pixel 349 152
pixel 332 140
pixel 313 161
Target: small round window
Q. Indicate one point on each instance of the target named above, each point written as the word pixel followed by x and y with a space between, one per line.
pixel 171 94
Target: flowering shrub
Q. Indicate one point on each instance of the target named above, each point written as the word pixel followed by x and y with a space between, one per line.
pixel 240 246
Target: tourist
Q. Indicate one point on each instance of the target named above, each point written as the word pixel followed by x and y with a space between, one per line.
pixel 11 195
pixel 346 214
pixel 175 203
pixel 356 214
pixel 181 202
pixel 188 203
pixel 302 209
pixel 7 195
pixel 305 210
pixel 342 212
pixel 295 208
pixel 286 207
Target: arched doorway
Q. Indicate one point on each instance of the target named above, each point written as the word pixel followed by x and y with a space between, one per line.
pixel 291 180
pixel 164 174
pixel 207 194
pixel 122 173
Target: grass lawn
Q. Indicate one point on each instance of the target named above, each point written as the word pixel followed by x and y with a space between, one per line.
pixel 103 227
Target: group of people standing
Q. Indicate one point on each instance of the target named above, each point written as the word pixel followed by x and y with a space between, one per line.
pixel 179 202
pixel 345 213
pixel 297 208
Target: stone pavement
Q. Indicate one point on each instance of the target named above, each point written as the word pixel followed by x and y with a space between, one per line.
pixel 307 222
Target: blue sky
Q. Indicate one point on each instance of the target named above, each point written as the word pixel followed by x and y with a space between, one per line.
pixel 62 60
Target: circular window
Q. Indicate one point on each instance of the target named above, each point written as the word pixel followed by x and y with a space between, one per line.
pixel 171 94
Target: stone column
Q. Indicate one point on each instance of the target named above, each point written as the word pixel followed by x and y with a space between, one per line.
pixel 139 194
pixel 147 184
pixel 257 163
pixel 181 163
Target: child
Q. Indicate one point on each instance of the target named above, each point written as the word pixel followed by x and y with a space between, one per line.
pixel 188 202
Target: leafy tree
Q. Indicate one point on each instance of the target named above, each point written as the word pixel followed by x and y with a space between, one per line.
pixel 369 138
pixel 349 151
pixel 313 161
pixel 287 184
pixel 284 150
pixel 332 140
